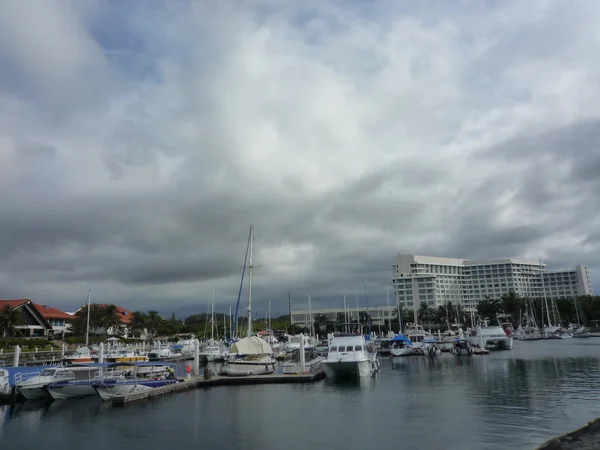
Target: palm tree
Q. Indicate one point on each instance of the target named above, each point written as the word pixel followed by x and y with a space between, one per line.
pixel 110 318
pixel 9 319
pixel 424 312
pixel 139 322
pixel 153 322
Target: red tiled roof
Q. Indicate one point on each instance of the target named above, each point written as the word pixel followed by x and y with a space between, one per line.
pixel 124 314
pixel 13 303
pixel 52 313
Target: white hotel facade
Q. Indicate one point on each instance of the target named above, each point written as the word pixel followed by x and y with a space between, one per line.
pixel 437 281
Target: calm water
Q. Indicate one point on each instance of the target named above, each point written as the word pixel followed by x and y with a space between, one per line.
pixel 514 399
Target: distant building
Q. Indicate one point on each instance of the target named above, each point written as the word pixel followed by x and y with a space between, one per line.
pixel 59 321
pixel 437 281
pixel 379 314
pixel 33 322
pixel 122 330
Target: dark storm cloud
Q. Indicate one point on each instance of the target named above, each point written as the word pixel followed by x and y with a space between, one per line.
pixel 133 162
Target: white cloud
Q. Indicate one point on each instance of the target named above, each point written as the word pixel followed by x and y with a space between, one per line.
pixel 344 133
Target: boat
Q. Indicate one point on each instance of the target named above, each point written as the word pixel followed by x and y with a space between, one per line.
pixel 80 355
pixel 123 356
pixel 581 333
pixel 4 382
pixel 137 381
pixel 212 352
pixel 417 334
pixel 32 385
pixel 250 356
pixel 349 356
pixel 313 362
pixel 430 347
pixel 490 337
pixel 462 347
pixel 557 333
pixel 400 345
pixel 69 387
pixel 161 351
pixel 383 346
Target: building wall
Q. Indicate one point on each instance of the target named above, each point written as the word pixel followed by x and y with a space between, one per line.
pixel 437 281
pixel 379 314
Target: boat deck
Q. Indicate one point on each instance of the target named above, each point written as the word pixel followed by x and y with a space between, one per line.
pixel 218 380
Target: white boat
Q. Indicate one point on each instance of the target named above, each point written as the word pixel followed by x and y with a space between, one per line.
pixel 138 381
pixel 400 345
pixel 32 385
pixel 462 347
pixel 80 355
pixel 348 356
pixel 184 347
pixel 160 351
pixel 212 352
pixel 490 337
pixel 313 362
pixel 430 347
pixel 250 356
pixel 417 334
pixel 581 332
pixel 4 382
pixel 72 388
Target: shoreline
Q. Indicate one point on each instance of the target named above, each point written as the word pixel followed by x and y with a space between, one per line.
pixel 584 438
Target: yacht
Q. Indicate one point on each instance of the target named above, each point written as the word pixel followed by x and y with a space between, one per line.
pixel 462 347
pixel 126 356
pixel 250 356
pixel 417 334
pixel 349 356
pixel 313 362
pixel 32 385
pixel 162 351
pixel 212 352
pixel 80 355
pixel 491 337
pixel 184 347
pixel 400 345
pixel 137 381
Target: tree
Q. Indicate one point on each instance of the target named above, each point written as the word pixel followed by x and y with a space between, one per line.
pixel 9 319
pixel 489 308
pixel 110 318
pixel 138 322
pixel 322 323
pixel 512 304
pixel 154 322
pixel 364 318
pixel 425 313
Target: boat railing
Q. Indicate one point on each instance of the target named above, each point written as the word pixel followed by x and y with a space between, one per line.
pixel 21 377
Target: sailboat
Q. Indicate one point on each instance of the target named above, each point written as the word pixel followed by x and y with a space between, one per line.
pixel 251 355
pixel 213 351
pixel 82 354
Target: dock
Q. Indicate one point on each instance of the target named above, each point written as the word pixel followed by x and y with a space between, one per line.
pixel 217 380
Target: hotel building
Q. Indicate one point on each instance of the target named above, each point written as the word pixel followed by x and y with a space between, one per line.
pixel 436 280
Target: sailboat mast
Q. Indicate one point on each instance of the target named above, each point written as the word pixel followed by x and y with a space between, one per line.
pixel 87 328
pixel 212 313
pixel 230 325
pixel 270 315
pixel 387 294
pixel 310 318
pixel 544 289
pixel 250 267
pixel 345 313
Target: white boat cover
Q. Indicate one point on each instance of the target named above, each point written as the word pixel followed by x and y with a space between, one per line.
pixel 252 345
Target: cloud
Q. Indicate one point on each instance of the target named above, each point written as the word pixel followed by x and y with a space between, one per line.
pixel 139 142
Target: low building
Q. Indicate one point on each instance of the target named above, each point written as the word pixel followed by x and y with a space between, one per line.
pixel 380 315
pixel 33 323
pixel 59 320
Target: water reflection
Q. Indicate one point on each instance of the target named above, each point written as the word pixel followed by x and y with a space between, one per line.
pixel 513 399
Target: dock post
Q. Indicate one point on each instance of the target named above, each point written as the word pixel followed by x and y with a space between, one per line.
pixel 196 358
pixel 62 352
pixel 101 353
pixel 16 356
pixel 302 357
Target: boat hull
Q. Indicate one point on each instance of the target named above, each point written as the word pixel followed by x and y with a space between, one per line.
pixel 396 352
pixel 341 369
pixel 108 391
pixel 241 367
pixel 33 392
pixel 65 391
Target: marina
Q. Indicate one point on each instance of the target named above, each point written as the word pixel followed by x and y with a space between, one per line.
pixel 518 399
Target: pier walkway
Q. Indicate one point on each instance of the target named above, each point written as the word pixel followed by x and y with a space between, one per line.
pixel 217 380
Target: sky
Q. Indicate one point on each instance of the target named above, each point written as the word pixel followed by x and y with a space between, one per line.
pixel 140 140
